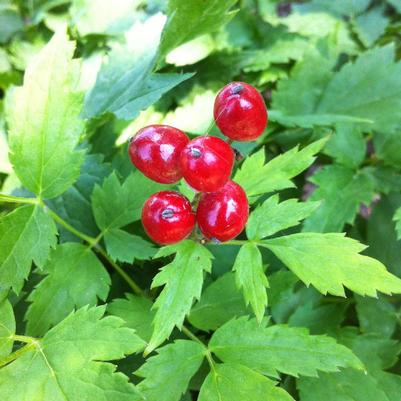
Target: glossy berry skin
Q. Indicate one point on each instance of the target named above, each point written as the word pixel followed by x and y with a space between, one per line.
pixel 240 112
pixel 206 163
pixel 167 217
pixel 155 150
pixel 222 215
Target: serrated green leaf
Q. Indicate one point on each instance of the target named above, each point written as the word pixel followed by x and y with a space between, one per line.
pixel 68 363
pixel 44 127
pixel 220 302
pixel 126 247
pixel 343 386
pixel 136 312
pixel 258 178
pixel 115 205
pixel 125 84
pixel 26 235
pixel 74 278
pixel 338 185
pixel 233 382
pixel 344 93
pixel 167 374
pixel 182 280
pixel 103 16
pixel 376 316
pixel 347 146
pixel 7 328
pixel 189 20
pixel 331 262
pixel 272 216
pixel 249 276
pixel 10 23
pixel 279 348
pixel 74 205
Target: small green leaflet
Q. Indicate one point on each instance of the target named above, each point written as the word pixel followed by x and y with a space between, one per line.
pixel 26 235
pixel 136 312
pixel 338 185
pixel 347 145
pixel 125 84
pixel 182 280
pixel 371 25
pixel 331 262
pixel 220 302
pixel 397 219
pixel 341 97
pixel 187 20
pixel 126 247
pixel 272 216
pixel 249 276
pixel 75 278
pixel 279 348
pixel 7 328
pixel 44 127
pixel 69 362
pixel 167 374
pixel 258 178
pixel 115 205
pixel 234 382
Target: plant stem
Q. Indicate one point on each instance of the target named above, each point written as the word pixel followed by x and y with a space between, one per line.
pixel 24 339
pixel 16 199
pixel 16 354
pixel 193 337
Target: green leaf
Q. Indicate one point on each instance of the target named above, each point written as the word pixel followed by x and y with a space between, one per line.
pixel 371 25
pixel 347 146
pixel 258 178
pixel 10 23
pixel 44 123
pixel 249 276
pixel 126 247
pixel 68 362
pixel 233 382
pixel 279 348
pixel 26 235
pixel 7 328
pixel 115 205
pixel 344 386
pixel 74 278
pixel 338 185
pixel 103 16
pixel 136 312
pixel 167 374
pixel 272 216
pixel 125 84
pixel 376 316
pixel 331 261
pixel 182 280
pixel 220 302
pixel 188 20
pixel 396 4
pixel 343 94
pixel 74 205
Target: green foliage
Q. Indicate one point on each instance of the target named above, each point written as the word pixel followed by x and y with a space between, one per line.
pixel 44 127
pixel 279 348
pixel 182 280
pixel 303 305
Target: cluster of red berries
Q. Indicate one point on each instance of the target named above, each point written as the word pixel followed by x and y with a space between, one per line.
pixel 165 154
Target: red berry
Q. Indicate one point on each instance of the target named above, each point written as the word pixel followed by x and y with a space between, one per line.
pixel 155 150
pixel 167 217
pixel 206 163
pixel 222 215
pixel 240 112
